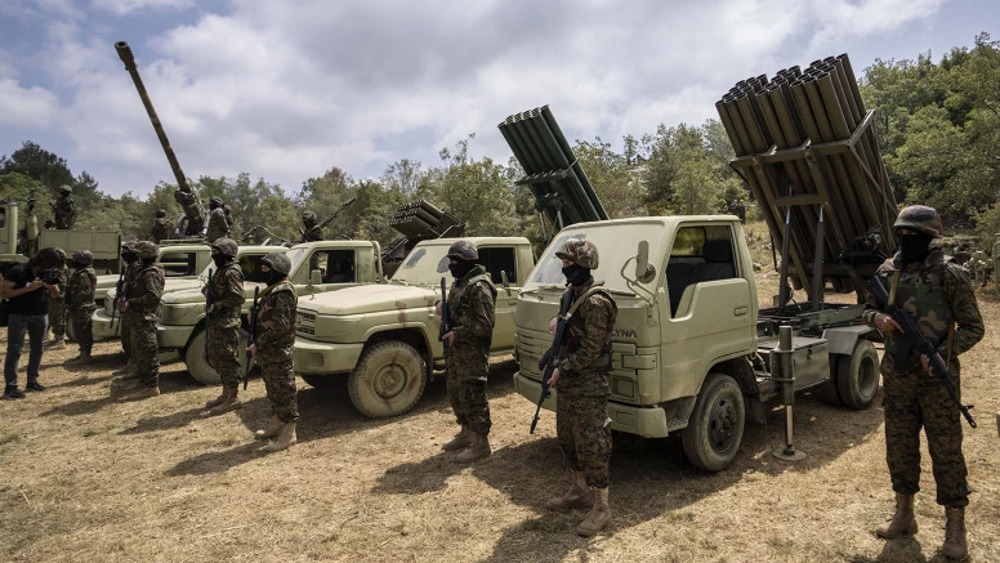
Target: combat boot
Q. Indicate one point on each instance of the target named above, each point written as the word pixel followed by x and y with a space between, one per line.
pixel 271 431
pixel 286 437
pixel 127 369
pixel 57 343
pixel 579 496
pixel 462 440
pixel 599 516
pixel 902 523
pixel 141 393
pixel 954 534
pixel 479 449
pixel 80 359
pixel 216 401
pixel 230 402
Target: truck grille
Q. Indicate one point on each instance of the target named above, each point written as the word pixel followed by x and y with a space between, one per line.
pixel 305 322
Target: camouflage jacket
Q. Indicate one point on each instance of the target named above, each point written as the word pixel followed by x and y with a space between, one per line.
pixel 471 311
pixel 161 229
pixel 144 294
pixel 587 348
pixel 938 295
pixel 81 288
pixel 60 297
pixel 227 295
pixel 276 319
pixel 65 212
pixel 218 225
pixel 312 234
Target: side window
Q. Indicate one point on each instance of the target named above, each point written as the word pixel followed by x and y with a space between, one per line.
pixel 699 254
pixel 500 259
pixel 250 266
pixel 339 266
pixel 177 264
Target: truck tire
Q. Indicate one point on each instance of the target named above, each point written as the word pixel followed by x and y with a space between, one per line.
pixel 197 363
pixel 831 389
pixel 320 381
pixel 858 376
pixel 715 429
pixel 388 380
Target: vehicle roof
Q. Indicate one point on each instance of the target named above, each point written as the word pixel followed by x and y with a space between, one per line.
pixel 346 243
pixel 659 219
pixel 475 240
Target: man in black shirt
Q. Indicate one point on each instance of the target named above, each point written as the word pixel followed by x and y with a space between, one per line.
pixel 28 291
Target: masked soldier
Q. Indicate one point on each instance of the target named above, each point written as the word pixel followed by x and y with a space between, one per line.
pixel 471 316
pixel 224 324
pixel 218 224
pixel 162 227
pixel 57 307
pixel 311 232
pixel 80 301
pixel 141 307
pixel 64 208
pixel 940 298
pixel 272 350
pixel 581 383
pixel 193 218
pixel 131 259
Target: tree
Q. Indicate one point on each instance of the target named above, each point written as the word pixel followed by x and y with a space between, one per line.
pixel 619 190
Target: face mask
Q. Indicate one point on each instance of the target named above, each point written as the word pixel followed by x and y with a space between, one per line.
pixel 130 256
pixel 272 277
pixel 220 259
pixel 576 274
pixel 914 248
pixel 462 267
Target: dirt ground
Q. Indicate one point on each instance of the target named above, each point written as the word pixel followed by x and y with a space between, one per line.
pixel 83 478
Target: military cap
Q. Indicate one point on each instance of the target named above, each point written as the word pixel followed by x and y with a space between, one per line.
pixel 463 250
pixel 920 218
pixel 580 252
pixel 65 189
pixel 226 246
pixel 83 257
pixel 145 249
pixel 277 262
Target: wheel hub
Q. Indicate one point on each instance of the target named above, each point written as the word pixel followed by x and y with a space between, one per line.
pixel 390 380
pixel 722 424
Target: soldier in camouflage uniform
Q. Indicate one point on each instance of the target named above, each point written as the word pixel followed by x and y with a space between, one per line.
pixel 218 224
pixel 940 298
pixel 80 301
pixel 142 305
pixel 194 221
pixel 581 383
pixel 311 231
pixel 57 310
pixel 64 209
pixel 224 324
pixel 131 259
pixel 162 227
pixel 471 317
pixel 272 350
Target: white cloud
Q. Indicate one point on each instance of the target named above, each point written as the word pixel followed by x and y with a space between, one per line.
pixel 25 108
pixel 124 7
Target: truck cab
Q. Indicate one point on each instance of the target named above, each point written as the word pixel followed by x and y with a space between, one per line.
pixel 384 338
pixel 180 262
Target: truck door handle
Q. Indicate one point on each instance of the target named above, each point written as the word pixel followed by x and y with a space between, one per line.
pixel 740 311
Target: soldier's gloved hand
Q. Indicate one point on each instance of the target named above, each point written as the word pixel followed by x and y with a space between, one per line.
pixel 552 325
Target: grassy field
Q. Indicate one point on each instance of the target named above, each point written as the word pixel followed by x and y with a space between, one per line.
pixel 83 478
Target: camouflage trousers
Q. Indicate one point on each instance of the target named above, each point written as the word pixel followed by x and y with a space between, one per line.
pixel 279 382
pixel 584 433
pixel 224 353
pixel 142 339
pixel 83 328
pixel 914 401
pixel 125 329
pixel 468 400
pixel 57 316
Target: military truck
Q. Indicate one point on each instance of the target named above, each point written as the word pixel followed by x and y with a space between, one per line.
pixel 384 338
pixel 317 267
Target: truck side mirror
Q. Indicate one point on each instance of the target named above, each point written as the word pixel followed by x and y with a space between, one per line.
pixel 506 281
pixel 315 277
pixel 644 271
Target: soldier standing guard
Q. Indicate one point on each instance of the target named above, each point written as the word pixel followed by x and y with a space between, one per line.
pixel 131 259
pixel 162 227
pixel 272 350
pixel 194 222
pixel 141 307
pixel 471 312
pixel 57 308
pixel 581 383
pixel 80 300
pixel 311 232
pixel 218 224
pixel 224 324
pixel 940 298
pixel 64 208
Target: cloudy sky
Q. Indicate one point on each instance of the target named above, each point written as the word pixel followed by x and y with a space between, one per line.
pixel 285 90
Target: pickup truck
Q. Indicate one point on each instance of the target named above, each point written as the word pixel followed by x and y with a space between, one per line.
pixel 317 267
pixel 181 261
pixel 384 337
pixel 692 352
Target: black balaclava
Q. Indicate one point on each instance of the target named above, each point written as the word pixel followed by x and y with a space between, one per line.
pixel 272 277
pixel 914 248
pixel 576 274
pixel 460 268
pixel 221 260
pixel 147 262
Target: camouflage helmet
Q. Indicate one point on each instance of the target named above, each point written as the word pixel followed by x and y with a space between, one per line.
pixel 463 250
pixel 920 218
pixel 225 246
pixel 277 262
pixel 161 213
pixel 309 217
pixel 83 257
pixel 216 200
pixel 64 189
pixel 145 249
pixel 580 252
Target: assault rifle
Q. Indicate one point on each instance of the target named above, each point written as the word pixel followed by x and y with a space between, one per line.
pixel 252 337
pixel 547 364
pixel 329 218
pixel 445 321
pixel 209 301
pixel 121 289
pixel 913 339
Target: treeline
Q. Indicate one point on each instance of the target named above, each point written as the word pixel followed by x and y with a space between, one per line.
pixel 939 126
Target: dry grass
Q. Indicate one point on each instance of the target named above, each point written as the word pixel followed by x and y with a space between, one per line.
pixel 87 479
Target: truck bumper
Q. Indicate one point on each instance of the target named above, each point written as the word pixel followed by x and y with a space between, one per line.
pixel 314 357
pixel 649 422
pixel 173 337
pixel 102 326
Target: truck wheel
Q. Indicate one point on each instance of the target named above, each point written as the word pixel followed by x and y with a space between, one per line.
pixel 320 381
pixel 715 430
pixel 197 363
pixel 831 389
pixel 857 377
pixel 388 380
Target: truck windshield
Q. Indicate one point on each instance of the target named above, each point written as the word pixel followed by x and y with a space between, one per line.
pixel 424 266
pixel 295 255
pixel 615 244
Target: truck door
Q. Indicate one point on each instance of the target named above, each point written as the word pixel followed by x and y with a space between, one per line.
pixel 710 306
pixel 503 259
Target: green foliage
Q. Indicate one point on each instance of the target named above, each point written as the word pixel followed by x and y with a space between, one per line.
pixel 613 179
